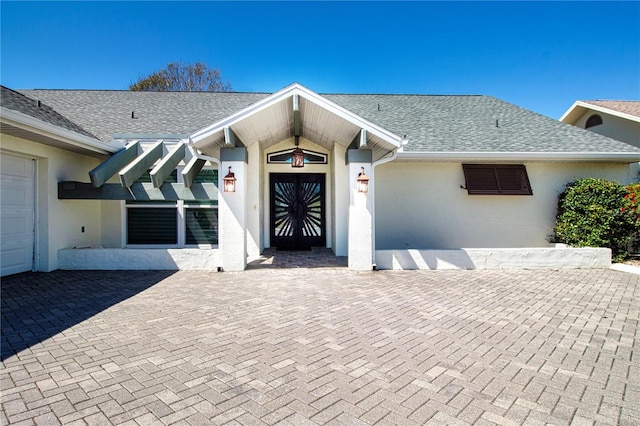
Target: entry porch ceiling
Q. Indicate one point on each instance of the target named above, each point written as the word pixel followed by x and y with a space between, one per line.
pixel 272 120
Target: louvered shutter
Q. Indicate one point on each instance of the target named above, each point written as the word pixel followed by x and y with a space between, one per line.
pixel 496 179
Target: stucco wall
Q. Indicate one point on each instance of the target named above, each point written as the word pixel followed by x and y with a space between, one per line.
pixel 422 206
pixel 614 127
pixel 140 259
pixel 495 258
pixel 111 218
pixel 59 222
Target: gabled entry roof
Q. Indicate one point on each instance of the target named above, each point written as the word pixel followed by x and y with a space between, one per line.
pixel 295 111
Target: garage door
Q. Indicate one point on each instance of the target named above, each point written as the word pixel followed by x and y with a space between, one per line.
pixel 16 214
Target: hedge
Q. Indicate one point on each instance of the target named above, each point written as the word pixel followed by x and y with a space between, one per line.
pixel 598 213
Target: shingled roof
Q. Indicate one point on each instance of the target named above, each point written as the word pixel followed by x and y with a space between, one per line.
pixel 37 109
pixel 626 107
pixel 467 123
pixel 108 112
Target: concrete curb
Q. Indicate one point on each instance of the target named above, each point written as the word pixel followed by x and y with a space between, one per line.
pixel 626 268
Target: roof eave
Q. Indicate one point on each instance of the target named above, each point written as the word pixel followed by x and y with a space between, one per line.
pixel 453 156
pixel 74 139
pixel 573 113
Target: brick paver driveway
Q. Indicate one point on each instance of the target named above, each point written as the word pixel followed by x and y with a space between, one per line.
pixel 317 346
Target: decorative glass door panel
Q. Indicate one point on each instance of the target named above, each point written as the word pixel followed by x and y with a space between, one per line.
pixel 297 210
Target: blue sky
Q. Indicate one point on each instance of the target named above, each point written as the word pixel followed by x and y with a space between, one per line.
pixel 539 55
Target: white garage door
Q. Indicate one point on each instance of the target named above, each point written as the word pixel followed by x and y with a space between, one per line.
pixel 16 214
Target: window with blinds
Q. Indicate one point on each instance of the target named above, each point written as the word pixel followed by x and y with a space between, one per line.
pixel 201 226
pixel 173 223
pixel 496 179
pixel 152 225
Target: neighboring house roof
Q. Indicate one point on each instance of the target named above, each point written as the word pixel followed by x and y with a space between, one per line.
pixel 30 118
pixel 441 126
pixel 629 110
pixel 625 107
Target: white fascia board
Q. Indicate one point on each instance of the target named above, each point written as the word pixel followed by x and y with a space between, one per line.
pixel 621 157
pixel 32 124
pixel 579 107
pixel 279 96
pixel 573 113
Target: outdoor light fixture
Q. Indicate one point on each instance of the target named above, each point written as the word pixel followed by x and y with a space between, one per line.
pixel 229 182
pixel 297 156
pixel 362 182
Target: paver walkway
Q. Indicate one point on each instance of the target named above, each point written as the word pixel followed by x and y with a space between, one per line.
pixel 321 346
pixel 317 257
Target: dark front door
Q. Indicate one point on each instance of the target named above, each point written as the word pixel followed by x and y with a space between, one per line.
pixel 297 210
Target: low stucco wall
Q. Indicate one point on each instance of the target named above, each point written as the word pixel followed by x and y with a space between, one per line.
pixel 138 259
pixel 196 259
pixel 509 258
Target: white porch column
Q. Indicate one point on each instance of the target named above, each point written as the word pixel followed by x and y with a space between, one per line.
pixel 232 234
pixel 360 212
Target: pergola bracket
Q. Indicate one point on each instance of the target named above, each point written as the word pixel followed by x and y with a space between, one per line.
pixel 140 165
pixel 114 164
pixel 191 170
pixel 167 165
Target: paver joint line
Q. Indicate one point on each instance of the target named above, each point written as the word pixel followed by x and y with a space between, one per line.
pixel 320 346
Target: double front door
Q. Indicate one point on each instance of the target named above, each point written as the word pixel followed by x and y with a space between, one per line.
pixel 297 210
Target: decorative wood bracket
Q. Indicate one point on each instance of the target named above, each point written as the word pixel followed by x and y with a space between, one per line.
pixel 167 165
pixel 140 165
pixel 114 164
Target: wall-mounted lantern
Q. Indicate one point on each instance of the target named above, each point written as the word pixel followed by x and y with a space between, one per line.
pixel 229 182
pixel 297 156
pixel 362 182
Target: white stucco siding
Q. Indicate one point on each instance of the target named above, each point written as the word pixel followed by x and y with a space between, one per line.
pixel 112 220
pixel 59 222
pixel 422 206
pixel 614 127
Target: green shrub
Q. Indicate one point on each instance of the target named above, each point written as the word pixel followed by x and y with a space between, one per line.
pixel 595 213
pixel 633 196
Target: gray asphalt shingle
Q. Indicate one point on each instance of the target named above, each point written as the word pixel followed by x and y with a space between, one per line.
pixel 19 102
pixel 109 112
pixel 457 123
